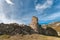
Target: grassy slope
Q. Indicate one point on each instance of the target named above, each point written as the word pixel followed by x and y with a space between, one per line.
pixel 29 37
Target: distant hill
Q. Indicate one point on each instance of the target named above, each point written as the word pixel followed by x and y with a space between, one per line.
pixel 54 25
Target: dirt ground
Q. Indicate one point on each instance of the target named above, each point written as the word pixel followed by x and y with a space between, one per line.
pixel 28 37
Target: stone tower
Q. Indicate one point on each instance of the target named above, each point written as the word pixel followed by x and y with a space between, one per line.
pixel 34 24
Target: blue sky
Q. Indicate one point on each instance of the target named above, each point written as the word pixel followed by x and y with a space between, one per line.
pixel 21 11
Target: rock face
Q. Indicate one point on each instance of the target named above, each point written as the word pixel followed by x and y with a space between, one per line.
pixel 53 25
pixel 12 29
pixel 50 32
pixel 34 28
pixel 34 24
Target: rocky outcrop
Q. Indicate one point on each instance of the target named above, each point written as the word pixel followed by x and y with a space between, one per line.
pixel 34 24
pixel 12 29
pixel 33 28
pixel 50 32
pixel 42 30
pixel 54 25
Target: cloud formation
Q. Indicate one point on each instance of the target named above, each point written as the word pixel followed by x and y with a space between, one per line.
pixel 9 2
pixel 52 16
pixel 23 10
pixel 6 11
pixel 42 7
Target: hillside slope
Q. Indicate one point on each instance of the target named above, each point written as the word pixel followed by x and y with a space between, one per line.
pixel 55 25
pixel 30 37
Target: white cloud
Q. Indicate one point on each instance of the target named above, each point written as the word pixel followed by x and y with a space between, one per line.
pixel 5 20
pixel 9 2
pixel 52 16
pixel 46 5
pixel 3 17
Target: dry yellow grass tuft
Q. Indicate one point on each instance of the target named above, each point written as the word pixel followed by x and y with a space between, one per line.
pixel 30 37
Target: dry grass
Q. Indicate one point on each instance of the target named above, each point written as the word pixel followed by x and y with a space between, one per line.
pixel 28 37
